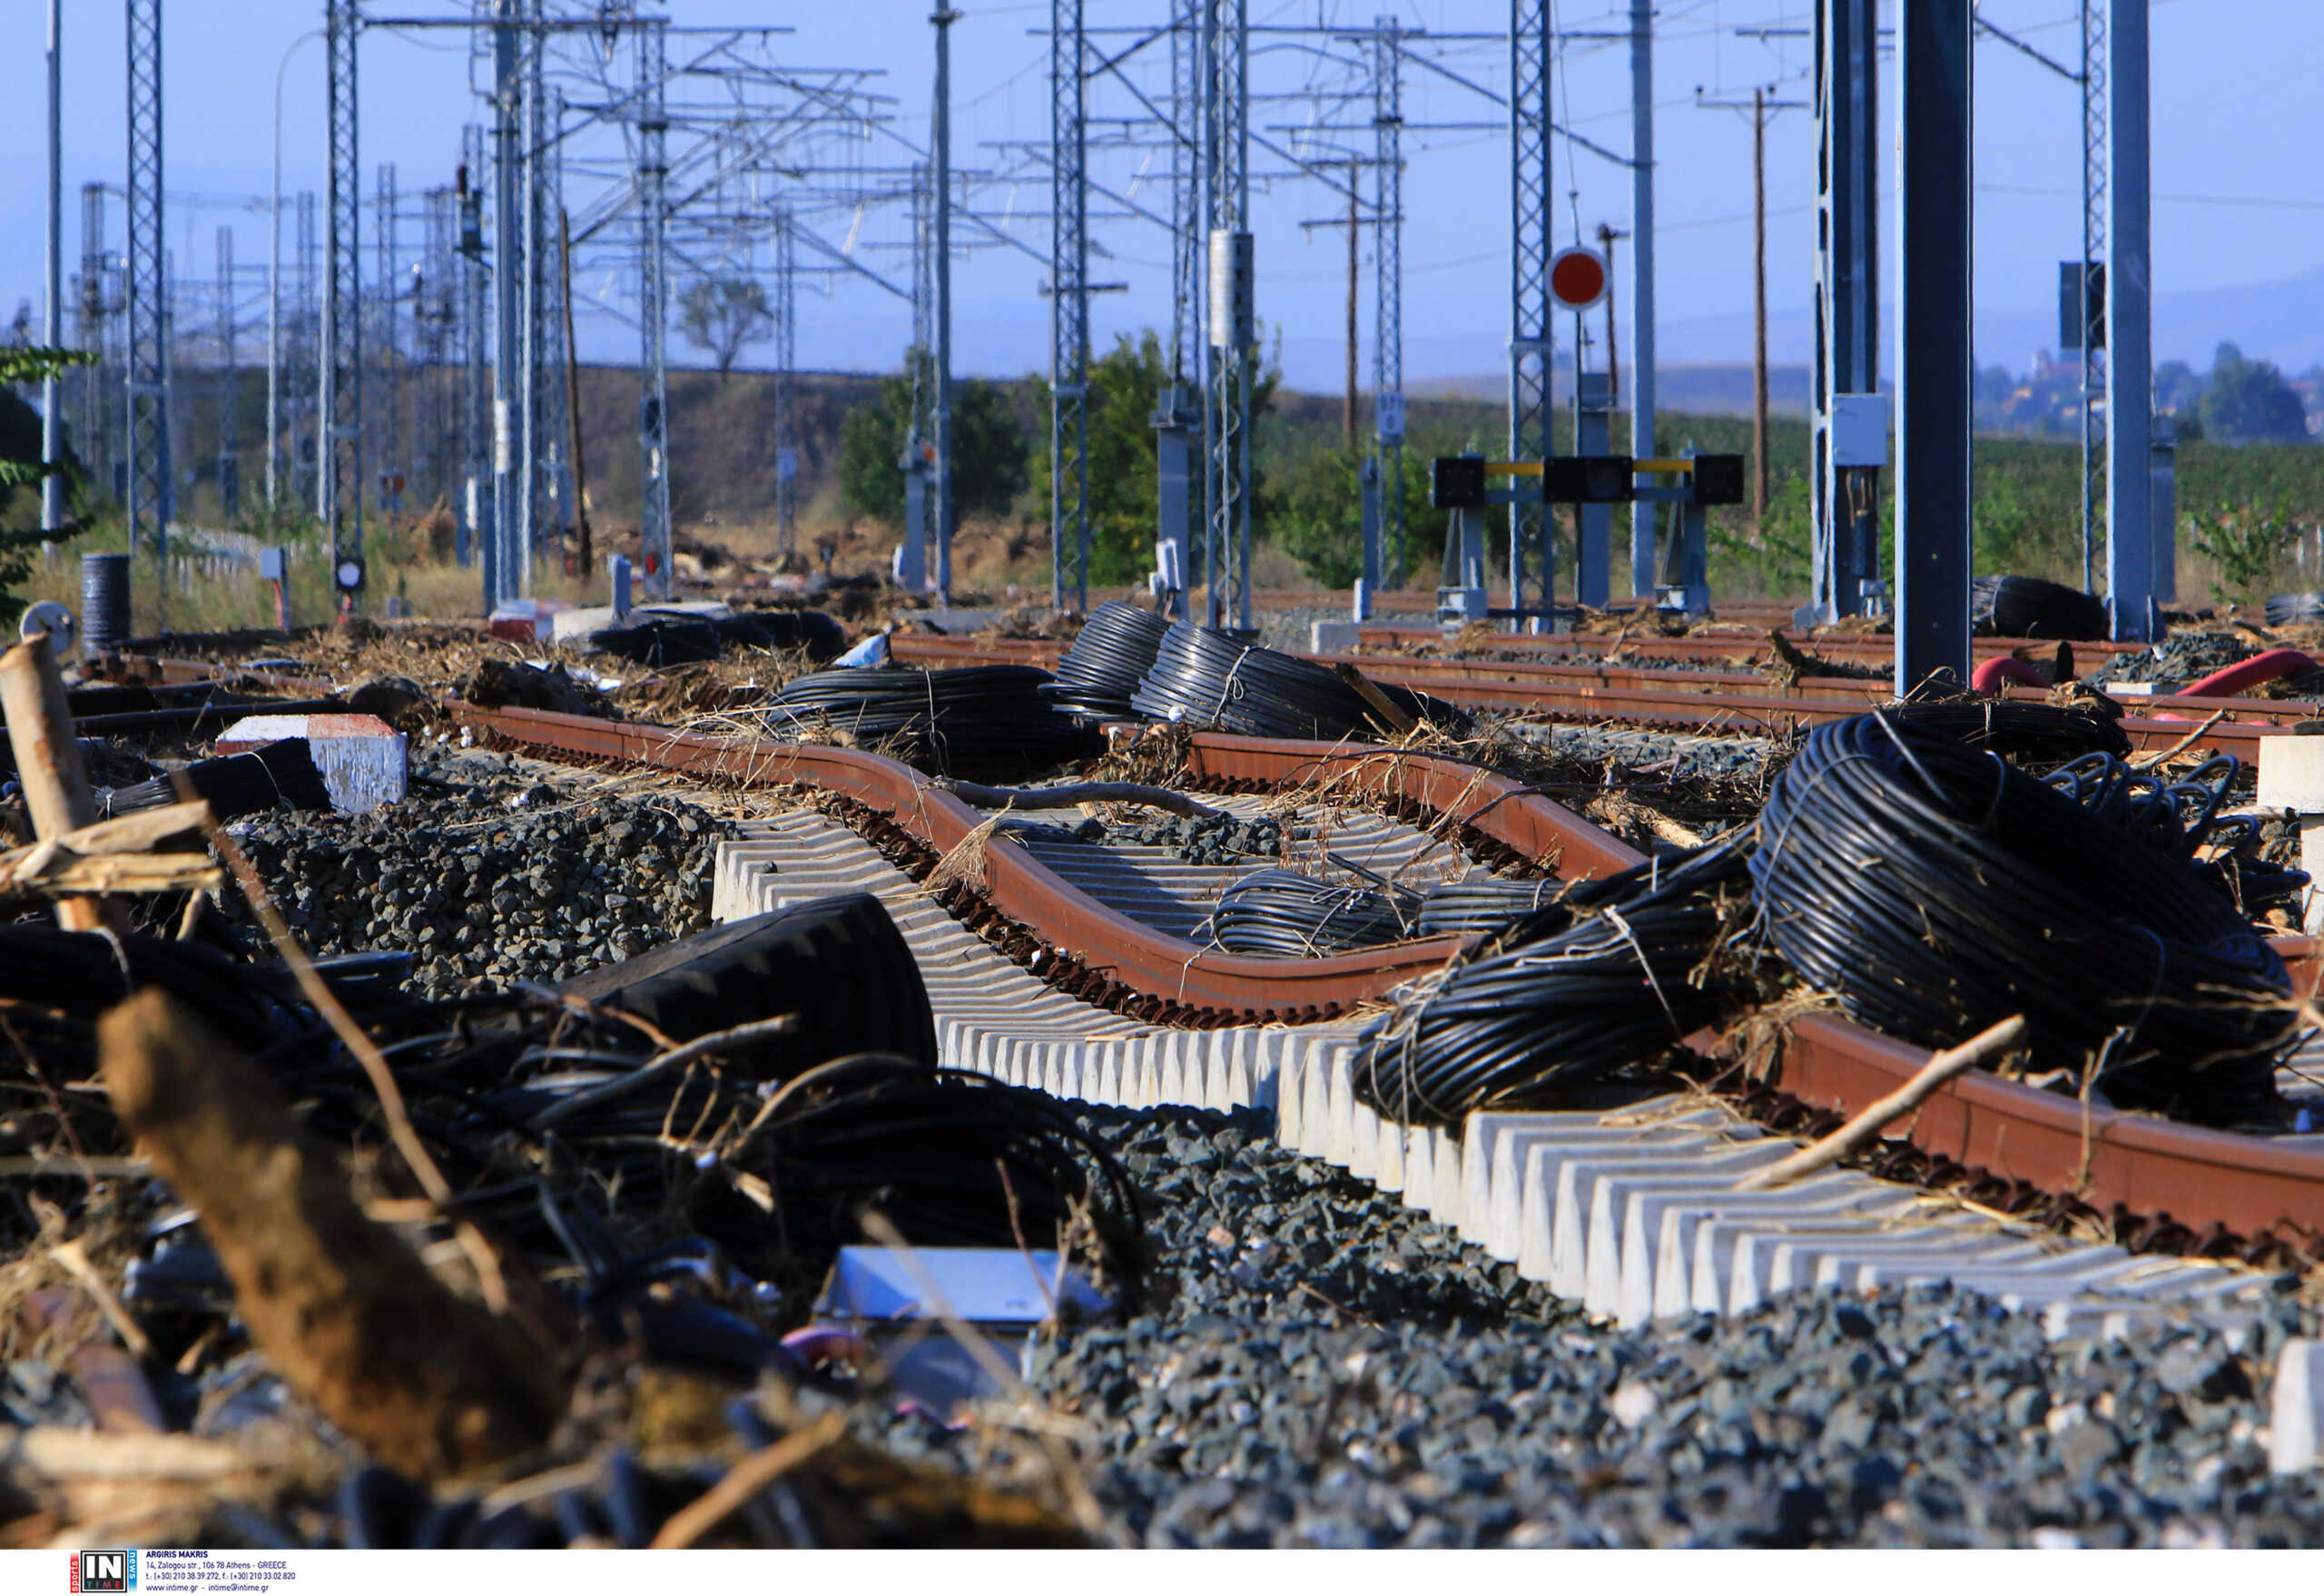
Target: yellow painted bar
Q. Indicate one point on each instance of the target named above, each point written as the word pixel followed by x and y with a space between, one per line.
pixel 1684 467
pixel 1514 467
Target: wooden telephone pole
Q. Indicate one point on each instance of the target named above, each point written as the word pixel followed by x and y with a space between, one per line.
pixel 1761 110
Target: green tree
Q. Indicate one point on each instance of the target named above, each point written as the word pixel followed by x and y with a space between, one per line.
pixel 1125 503
pixel 1318 518
pixel 990 454
pixel 720 315
pixel 2248 401
pixel 20 458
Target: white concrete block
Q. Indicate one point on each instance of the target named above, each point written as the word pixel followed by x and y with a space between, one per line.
pixel 361 757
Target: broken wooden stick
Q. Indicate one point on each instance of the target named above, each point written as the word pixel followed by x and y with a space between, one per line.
pixel 1867 1123
pixel 48 758
pixel 1066 797
pixel 1393 720
pixel 112 856
pixel 427 1380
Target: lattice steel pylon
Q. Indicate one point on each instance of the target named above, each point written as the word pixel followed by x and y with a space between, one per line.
pixel 507 564
pixel 2094 306
pixel 304 353
pixel 339 485
pixel 532 295
pixel 1068 312
pixel 476 498
pixel 555 401
pixel 1530 345
pixel 786 360
pixel 230 470
pixel 151 480
pixel 1231 317
pixel 1388 284
pixel 387 400
pixel 652 292
pixel 96 439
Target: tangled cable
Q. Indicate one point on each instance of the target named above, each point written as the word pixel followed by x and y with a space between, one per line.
pixel 1205 678
pixel 1558 1001
pixel 1101 671
pixel 977 720
pixel 280 773
pixel 1935 890
pixel 2183 818
pixel 1276 914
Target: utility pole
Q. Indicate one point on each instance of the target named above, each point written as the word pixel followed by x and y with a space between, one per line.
pixel 1388 285
pixel 1760 108
pixel 652 307
pixel 229 471
pixel 944 18
pixel 1642 384
pixel 1532 344
pixel 504 573
pixel 1848 430
pixel 338 444
pixel 52 417
pixel 1233 316
pixel 573 395
pixel 1068 312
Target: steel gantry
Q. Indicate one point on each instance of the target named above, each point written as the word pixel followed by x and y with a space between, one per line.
pixel 1848 439
pixel 339 465
pixel 1068 311
pixel 1532 346
pixel 1231 316
pixel 151 482
pixel 1388 290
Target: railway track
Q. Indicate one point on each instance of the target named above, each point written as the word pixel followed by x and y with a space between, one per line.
pixel 1279 1037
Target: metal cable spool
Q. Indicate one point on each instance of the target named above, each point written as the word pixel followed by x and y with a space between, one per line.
pixel 976 719
pixel 1100 673
pixel 1936 891
pixel 105 603
pixel 1205 678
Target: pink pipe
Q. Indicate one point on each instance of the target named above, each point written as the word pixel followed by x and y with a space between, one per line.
pixel 2273 665
pixel 2006 667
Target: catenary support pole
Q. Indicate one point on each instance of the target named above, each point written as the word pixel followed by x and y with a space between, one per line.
pixel 152 481
pixel 1932 341
pixel 1068 312
pixel 338 443
pixel 1532 346
pixel 941 497
pixel 2130 288
pixel 51 415
pixel 1641 300
pixel 652 307
pixel 1843 482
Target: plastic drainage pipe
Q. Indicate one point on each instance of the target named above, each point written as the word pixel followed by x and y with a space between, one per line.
pixel 2273 665
pixel 1990 676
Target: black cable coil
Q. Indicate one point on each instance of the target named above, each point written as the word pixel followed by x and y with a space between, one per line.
pixel 1936 891
pixel 1486 904
pixel 2018 728
pixel 2295 609
pixel 2183 818
pixel 1101 671
pixel 1205 678
pixel 1557 1002
pixel 1277 914
pixel 280 774
pixel 977 720
pixel 2029 607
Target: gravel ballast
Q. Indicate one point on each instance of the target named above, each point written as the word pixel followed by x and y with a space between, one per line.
pixel 488 874
pixel 1443 1401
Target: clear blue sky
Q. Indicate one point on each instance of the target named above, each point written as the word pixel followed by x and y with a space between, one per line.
pixel 2236 120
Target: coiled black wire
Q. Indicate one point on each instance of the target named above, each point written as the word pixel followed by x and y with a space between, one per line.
pixel 1557 1002
pixel 1935 891
pixel 1486 904
pixel 2015 727
pixel 2030 607
pixel 1100 673
pixel 278 774
pixel 978 720
pixel 1278 914
pixel 1205 678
